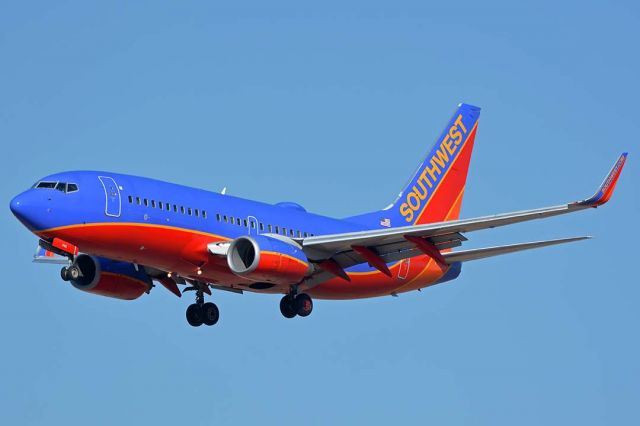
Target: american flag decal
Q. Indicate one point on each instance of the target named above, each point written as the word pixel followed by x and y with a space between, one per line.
pixel 386 222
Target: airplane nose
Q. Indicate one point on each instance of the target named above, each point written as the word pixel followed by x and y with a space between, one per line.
pixel 17 206
pixel 24 208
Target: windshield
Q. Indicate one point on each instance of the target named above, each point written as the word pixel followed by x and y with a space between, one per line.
pixel 60 186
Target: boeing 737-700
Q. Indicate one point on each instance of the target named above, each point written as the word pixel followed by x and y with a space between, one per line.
pixel 117 234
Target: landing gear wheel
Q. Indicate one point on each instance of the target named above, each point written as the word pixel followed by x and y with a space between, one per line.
pixel 210 313
pixel 303 305
pixel 64 273
pixel 73 272
pixel 195 315
pixel 287 307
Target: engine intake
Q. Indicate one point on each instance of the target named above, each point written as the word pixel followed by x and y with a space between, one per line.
pixel 106 277
pixel 262 258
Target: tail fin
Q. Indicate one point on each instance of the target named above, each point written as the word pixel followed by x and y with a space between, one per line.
pixel 435 191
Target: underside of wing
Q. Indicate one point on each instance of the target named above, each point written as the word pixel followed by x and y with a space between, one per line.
pixel 481 253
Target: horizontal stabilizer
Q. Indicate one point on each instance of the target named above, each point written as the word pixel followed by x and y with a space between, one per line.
pixel 474 254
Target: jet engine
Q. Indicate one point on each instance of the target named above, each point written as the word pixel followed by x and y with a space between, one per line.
pixel 266 259
pixel 107 277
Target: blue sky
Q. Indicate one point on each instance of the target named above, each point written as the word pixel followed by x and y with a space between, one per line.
pixel 331 106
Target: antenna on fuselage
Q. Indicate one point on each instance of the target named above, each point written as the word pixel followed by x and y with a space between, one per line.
pixel 224 190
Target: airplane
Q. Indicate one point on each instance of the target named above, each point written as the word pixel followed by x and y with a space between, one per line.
pixel 118 234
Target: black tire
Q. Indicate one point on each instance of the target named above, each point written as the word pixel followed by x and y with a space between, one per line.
pixel 286 307
pixel 73 273
pixel 210 313
pixel 195 315
pixel 303 305
pixel 64 273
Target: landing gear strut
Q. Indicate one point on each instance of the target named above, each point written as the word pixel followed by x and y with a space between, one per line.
pixel 296 304
pixel 202 313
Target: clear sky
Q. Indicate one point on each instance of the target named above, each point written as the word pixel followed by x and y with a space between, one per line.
pixel 331 106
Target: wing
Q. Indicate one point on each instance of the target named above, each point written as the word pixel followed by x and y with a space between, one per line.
pixel 378 247
pixel 474 254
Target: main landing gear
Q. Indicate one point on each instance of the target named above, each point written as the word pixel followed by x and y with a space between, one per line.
pixel 296 304
pixel 202 313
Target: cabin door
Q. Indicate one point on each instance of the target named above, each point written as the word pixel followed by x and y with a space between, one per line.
pixel 252 225
pixel 113 204
pixel 403 270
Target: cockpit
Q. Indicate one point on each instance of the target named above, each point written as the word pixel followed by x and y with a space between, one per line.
pixel 59 186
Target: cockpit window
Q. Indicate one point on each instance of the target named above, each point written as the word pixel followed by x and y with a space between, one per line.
pixel 60 186
pixel 45 185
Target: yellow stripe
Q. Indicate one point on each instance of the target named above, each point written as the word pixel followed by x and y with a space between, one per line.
pixel 135 224
pixel 151 225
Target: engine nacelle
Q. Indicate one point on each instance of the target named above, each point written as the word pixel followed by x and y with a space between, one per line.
pixel 107 277
pixel 266 259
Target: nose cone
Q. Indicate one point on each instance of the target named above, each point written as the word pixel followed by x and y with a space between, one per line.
pixel 17 206
pixel 24 209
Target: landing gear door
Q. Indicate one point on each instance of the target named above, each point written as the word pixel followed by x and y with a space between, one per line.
pixel 113 204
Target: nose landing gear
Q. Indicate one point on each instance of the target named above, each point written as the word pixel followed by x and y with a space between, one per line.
pixel 70 273
pixel 200 312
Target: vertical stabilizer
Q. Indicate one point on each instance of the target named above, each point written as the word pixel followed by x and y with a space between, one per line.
pixel 435 191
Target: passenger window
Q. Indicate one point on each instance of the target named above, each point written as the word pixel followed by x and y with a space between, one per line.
pixel 224 217
pixel 291 232
pixel 284 231
pixel 305 235
pixel 197 213
pixel 245 223
pixel 270 228
pixel 261 227
pixel 175 208
pixel 138 200
pixel 217 216
pixel 182 209
pixel 204 214
pixel 160 205
pixel 153 203
pixel 238 222
pixel 277 229
pixel 130 199
pixel 146 202
pixel 299 234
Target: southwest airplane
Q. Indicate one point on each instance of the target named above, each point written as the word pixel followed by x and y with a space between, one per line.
pixel 118 233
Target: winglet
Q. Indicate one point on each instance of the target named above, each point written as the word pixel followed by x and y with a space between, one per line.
pixel 608 185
